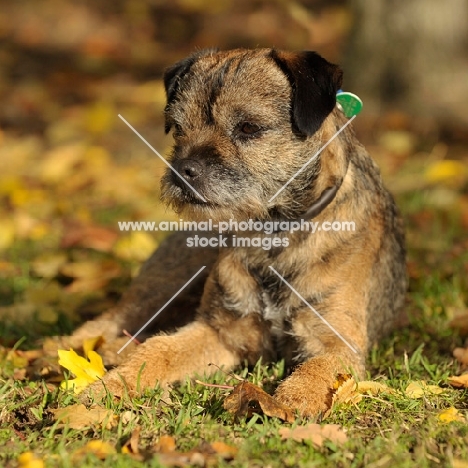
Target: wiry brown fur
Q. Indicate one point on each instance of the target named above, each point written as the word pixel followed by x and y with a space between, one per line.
pixel 355 280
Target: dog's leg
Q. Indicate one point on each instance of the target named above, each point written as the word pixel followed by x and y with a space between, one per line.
pixel 169 268
pixel 162 275
pixel 309 388
pixel 168 358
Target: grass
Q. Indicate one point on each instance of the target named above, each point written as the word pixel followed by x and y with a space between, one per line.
pixel 386 430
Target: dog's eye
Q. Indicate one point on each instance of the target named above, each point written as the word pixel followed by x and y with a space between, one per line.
pixel 248 129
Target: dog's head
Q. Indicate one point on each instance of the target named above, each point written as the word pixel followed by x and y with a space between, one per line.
pixel 244 122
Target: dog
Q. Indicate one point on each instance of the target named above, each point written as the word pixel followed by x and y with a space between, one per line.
pixel 248 126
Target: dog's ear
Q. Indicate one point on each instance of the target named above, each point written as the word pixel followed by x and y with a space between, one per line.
pixel 314 82
pixel 174 74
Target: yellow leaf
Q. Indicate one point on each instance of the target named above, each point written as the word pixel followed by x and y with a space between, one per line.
pixel 450 415
pixel 86 371
pixel 59 163
pixel 23 197
pixel 7 233
pixel 457 463
pixel 459 381
pixel 348 391
pixel 418 389
pixel 90 344
pixel 30 460
pixel 447 172
pixel 100 118
pixel 98 447
pixel 136 246
pixel 48 265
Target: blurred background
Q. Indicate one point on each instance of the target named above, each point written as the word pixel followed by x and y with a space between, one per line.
pixel 70 168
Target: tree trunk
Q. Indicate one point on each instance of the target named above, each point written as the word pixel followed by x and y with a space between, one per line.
pixel 411 55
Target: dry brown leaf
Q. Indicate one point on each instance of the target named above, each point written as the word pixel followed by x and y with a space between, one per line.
pixel 246 398
pixel 86 285
pixel 224 450
pixel 461 355
pixel 316 433
pixel 93 237
pixel 204 455
pixel 79 417
pixel 166 444
pixel 59 163
pixel 460 324
pixel 460 381
pixel 131 446
pixel 127 417
pixel 91 270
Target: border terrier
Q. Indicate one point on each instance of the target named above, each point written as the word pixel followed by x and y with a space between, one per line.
pixel 245 122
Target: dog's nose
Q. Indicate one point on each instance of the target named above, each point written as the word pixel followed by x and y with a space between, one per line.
pixel 189 169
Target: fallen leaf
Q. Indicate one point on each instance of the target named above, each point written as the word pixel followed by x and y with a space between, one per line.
pixel 86 371
pixel 460 324
pixel 99 448
pixel 350 392
pixel 459 381
pixel 224 450
pixel 448 172
pixel 90 269
pixel 419 388
pixel 79 417
pixel 246 398
pixel 7 233
pixel 48 265
pixel 457 463
pixel 461 355
pixel 99 117
pixel 127 417
pixel 30 460
pixel 131 446
pixel 316 433
pixel 136 246
pixel 59 163
pixel 450 415
pixel 204 455
pixel 93 237
pixel 87 285
pixel 166 444
pixel 90 344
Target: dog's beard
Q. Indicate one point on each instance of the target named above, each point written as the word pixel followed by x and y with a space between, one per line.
pixel 240 206
pixel 242 198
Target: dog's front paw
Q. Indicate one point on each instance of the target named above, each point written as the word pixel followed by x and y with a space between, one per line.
pixel 309 389
pixel 116 383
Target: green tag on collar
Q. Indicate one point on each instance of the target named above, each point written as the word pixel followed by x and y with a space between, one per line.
pixel 350 103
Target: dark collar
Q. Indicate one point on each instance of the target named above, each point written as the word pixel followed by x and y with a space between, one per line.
pixel 325 198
